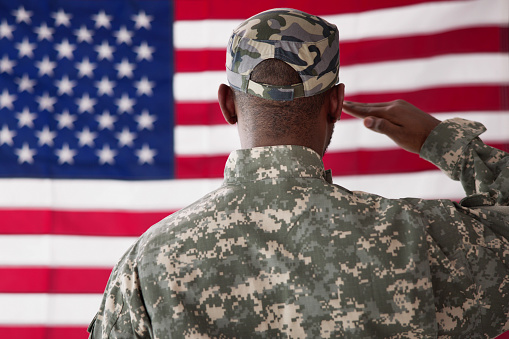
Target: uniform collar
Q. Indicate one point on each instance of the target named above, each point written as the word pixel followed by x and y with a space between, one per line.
pixel 272 162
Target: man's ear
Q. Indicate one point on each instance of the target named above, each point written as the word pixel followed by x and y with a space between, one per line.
pixel 336 96
pixel 227 104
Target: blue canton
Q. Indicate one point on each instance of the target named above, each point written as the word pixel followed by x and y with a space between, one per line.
pixel 85 89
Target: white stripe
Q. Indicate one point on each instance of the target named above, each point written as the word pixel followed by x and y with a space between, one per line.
pixel 48 309
pixel 156 195
pixel 197 34
pixel 427 18
pixel 349 135
pixel 197 86
pixel 425 185
pixel 444 70
pixel 82 199
pixel 203 139
pixel 401 75
pixel 62 251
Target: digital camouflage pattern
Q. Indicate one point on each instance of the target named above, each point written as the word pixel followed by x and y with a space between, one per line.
pixel 278 251
pixel 306 42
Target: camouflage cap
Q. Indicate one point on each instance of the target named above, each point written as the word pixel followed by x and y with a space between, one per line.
pixel 306 42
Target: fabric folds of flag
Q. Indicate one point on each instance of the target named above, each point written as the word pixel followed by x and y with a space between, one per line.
pixel 109 122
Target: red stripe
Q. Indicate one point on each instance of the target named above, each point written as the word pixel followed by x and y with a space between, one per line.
pixel 199 60
pixel 202 113
pixel 232 9
pixel 189 167
pixel 447 99
pixel 504 335
pixel 39 332
pixel 359 162
pixel 470 40
pixel 104 223
pixel 53 280
pixel 435 100
pixel 362 162
pixel 342 163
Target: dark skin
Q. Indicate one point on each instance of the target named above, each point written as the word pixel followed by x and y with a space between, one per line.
pixel 328 115
pixel 401 121
pixel 404 123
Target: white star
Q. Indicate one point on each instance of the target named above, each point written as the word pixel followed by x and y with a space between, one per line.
pixel 105 86
pixel 86 104
pixel 125 104
pixel 145 120
pixel 46 102
pixel 45 66
pixel 65 155
pixel 7 65
pixel 65 120
pixel 25 154
pixel 25 84
pixel 144 51
pixel 62 18
pixel 6 135
pixel 6 30
pixel 85 68
pixel 83 34
pixel 25 48
pixel 44 32
pixel 144 86
pixel 145 155
pixel 106 120
pixel 26 118
pixel 22 15
pixel 142 20
pixel 65 85
pixel 106 155
pixel 105 51
pixel 102 20
pixel 86 137
pixel 125 138
pixel 123 36
pixel 65 49
pixel 45 136
pixel 6 99
pixel 125 69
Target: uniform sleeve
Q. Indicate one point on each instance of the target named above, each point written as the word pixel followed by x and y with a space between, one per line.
pixel 122 313
pixel 455 147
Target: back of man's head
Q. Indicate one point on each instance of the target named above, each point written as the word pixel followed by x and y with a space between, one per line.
pixel 280 63
pixel 273 118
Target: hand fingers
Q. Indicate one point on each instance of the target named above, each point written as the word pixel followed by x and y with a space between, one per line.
pixel 362 110
pixel 382 126
pixel 361 104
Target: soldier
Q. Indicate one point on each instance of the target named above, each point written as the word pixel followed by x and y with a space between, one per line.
pixel 280 251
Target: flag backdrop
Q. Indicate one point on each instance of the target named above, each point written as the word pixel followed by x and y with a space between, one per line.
pixel 109 122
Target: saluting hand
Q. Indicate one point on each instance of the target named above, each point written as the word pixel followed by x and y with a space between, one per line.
pixel 401 121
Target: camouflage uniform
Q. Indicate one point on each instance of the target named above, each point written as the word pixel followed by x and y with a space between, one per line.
pixel 280 251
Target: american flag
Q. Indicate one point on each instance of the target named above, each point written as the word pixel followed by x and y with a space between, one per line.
pixel 109 122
